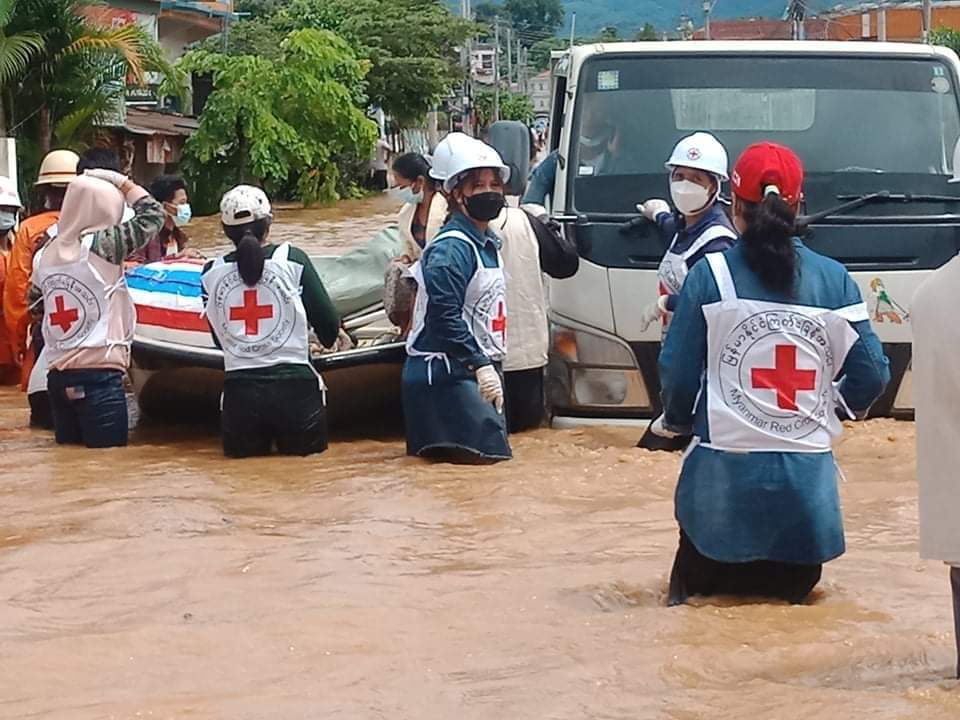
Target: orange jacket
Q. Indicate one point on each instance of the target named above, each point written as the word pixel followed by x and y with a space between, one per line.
pixel 16 315
pixel 19 270
pixel 7 358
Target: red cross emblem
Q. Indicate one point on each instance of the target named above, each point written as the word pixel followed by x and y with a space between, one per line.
pixel 499 323
pixel 693 154
pixel 251 313
pixel 62 317
pixel 785 377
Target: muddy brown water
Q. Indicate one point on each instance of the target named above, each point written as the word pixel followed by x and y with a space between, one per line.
pixel 162 581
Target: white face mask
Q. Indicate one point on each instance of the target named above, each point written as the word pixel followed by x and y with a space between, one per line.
pixel 689 197
pixel 406 195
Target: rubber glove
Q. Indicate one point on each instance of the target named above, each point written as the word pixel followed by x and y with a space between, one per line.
pixel 653 312
pixel 652 208
pixel 491 388
pixel 657 428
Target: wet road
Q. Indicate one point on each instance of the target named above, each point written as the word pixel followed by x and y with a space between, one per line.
pixel 161 581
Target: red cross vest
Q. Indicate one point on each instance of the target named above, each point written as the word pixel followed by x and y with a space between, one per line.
pixel 484 305
pixel 673 269
pixel 771 369
pixel 260 326
pixel 78 303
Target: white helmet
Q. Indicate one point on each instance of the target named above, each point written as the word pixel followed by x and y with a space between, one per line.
pixel 9 197
pixel 700 151
pixel 244 204
pixel 473 156
pixel 444 150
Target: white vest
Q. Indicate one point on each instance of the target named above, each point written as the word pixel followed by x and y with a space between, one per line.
pixel 260 326
pixel 770 370
pixel 77 302
pixel 527 333
pixel 673 269
pixel 484 306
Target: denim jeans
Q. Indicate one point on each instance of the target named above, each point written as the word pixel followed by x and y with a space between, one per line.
pixel 89 407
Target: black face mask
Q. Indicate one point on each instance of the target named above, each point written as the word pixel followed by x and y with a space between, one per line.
pixel 484 206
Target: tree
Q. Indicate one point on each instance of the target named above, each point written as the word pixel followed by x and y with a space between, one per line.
pixel 539 56
pixel 647 32
pixel 487 12
pixel 16 52
pixel 535 19
pixel 513 106
pixel 947 37
pixel 610 33
pixel 412 45
pixel 287 122
pixel 77 75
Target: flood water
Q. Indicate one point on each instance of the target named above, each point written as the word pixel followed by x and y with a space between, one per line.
pixel 162 581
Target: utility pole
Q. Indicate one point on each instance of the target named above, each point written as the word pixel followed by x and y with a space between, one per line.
pixel 707 7
pixel 496 69
pixel 509 60
pixel 521 76
pixel 927 20
pixel 796 13
pixel 573 29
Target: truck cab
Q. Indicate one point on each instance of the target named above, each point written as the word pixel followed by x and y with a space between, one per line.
pixel 876 123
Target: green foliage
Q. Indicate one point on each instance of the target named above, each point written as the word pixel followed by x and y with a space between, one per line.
pixel 412 45
pixel 647 33
pixel 539 56
pixel 74 75
pixel 513 106
pixel 948 37
pixel 535 19
pixel 288 122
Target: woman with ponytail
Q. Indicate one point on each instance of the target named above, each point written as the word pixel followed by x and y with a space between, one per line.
pixel 769 347
pixel 261 299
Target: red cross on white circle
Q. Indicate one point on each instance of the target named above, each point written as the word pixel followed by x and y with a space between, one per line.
pixel 785 378
pixel 63 317
pixel 251 313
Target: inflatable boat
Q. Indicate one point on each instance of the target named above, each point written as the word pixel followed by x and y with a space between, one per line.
pixel 177 371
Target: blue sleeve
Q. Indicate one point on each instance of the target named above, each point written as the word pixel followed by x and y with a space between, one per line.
pixel 667 225
pixel 866 371
pixel 684 354
pixel 541 181
pixel 447 269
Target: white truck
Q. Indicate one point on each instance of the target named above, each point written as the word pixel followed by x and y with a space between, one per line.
pixel 876 125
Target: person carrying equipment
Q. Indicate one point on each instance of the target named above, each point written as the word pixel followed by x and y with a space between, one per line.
pixel 769 344
pixel 452 386
pixel 260 301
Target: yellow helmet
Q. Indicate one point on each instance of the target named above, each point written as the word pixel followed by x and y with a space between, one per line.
pixel 59 167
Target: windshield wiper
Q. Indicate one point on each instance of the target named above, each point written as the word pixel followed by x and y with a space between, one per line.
pixel 858 201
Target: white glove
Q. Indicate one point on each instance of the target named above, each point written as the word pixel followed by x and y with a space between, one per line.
pixel 653 312
pixel 113 177
pixel 491 388
pixel 651 208
pixel 657 428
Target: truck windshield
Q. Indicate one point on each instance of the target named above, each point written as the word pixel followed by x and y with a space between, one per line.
pixel 859 124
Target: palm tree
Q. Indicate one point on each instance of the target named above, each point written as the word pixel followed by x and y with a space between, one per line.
pixel 81 72
pixel 16 51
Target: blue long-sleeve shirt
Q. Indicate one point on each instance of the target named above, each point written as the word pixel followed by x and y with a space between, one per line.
pixel 541 180
pixel 783 506
pixel 448 264
pixel 671 226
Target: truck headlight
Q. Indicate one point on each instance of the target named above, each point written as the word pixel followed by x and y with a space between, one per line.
pixel 592 370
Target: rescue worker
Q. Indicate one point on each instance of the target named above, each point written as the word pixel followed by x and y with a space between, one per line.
pixel 452 387
pixel 57 170
pixel 936 388
pixel 261 300
pixel 424 209
pixel 525 258
pixel 759 335
pixel 698 167
pixel 10 207
pixel 171 190
pixel 89 317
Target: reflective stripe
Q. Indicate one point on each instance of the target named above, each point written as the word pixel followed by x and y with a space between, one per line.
pixel 854 313
pixel 721 273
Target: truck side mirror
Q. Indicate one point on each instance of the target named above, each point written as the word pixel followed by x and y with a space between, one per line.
pixel 511 139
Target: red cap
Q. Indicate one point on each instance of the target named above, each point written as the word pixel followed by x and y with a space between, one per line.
pixel 766 165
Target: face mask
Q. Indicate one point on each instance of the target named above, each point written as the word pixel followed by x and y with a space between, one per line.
pixel 689 197
pixel 406 195
pixel 8 221
pixel 184 213
pixel 484 206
